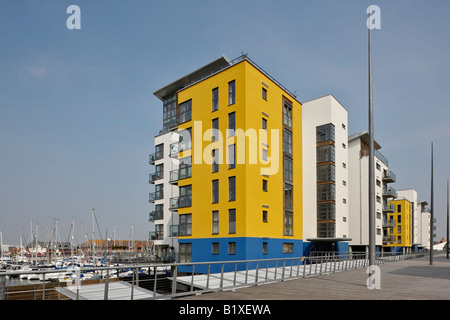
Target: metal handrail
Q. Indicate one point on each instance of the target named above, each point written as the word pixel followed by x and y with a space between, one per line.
pixel 237 273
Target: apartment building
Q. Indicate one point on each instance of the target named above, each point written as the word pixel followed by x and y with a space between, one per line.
pixel 237 186
pixel 399 233
pixel 358 166
pixel 424 222
pixel 325 175
pixel 411 196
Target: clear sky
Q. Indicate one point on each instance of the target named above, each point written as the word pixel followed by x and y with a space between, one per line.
pixel 78 115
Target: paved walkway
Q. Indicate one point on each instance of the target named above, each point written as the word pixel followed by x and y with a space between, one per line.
pixel 412 279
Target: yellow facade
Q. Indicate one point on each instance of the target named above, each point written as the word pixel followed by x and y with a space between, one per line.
pixel 250 108
pixel 403 223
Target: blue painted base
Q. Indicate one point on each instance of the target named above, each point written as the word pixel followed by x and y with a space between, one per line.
pixel 246 249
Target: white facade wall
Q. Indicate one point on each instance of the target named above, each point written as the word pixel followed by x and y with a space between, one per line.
pixel 318 112
pixel 358 171
pixel 170 217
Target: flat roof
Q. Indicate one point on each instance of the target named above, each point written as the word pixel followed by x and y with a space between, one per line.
pixel 196 75
pixel 364 136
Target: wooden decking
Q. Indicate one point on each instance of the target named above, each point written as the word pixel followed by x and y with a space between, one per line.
pixel 412 279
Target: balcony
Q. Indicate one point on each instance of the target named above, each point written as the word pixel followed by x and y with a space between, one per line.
pixel 174 150
pixel 152 177
pixel 389 239
pixel 389 207
pixel 389 192
pixel 157 195
pixel 389 223
pixel 155 156
pixel 389 176
pixel 155 215
pixel 180 202
pixel 156 235
pixel 180 174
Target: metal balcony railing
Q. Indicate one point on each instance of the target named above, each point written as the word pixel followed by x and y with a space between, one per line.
pixel 152 177
pixel 157 195
pixel 389 192
pixel 156 215
pixel 389 176
pixel 179 174
pixel 155 156
pixel 389 207
pixel 389 223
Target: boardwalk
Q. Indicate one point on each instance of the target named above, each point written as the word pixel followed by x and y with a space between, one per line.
pixel 403 280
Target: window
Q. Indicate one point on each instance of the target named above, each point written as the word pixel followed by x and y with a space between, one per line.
pixel 231 123
pixel 215 160
pixel 326 229
pixel 344 146
pixel 159 171
pixel 185 224
pixel 215 129
pixel 326 211
pixel 169 113
pixel 378 183
pixel 159 231
pixel 264 123
pixel 159 152
pixel 325 132
pixel 231 156
pixel 326 192
pixel 287 141
pixel 399 218
pixel 287 114
pixel 264 93
pixel 265 248
pixel 288 223
pixel 215 248
pixel 288 196
pixel 231 247
pixel 325 173
pixel 185 139
pixel 325 154
pixel 159 211
pixel 231 188
pixel 288 248
pixel 264 154
pixel 185 198
pixel 185 252
pixel 287 169
pixel 215 222
pixel 215 99
pixel 231 92
pixel 399 208
pixel 344 165
pixel 264 185
pixel 215 191
pixel 231 220
pixel 265 217
pixel 185 112
pixel 159 191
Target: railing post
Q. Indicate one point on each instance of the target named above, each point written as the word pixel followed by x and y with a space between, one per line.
pixel 105 296
pixel 192 278
pixel 221 275
pixel 43 286
pixel 2 287
pixel 257 269
pixel 207 278
pixel 154 281
pixel 174 284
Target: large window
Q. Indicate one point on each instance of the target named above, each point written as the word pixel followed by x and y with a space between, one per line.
pixel 288 223
pixel 326 211
pixel 169 113
pixel 326 192
pixel 326 229
pixel 185 199
pixel 325 132
pixel 288 169
pixel 326 173
pixel 231 92
pixel 231 220
pixel 185 224
pixel 185 139
pixel 287 141
pixel 325 153
pixel 231 156
pixel 215 160
pixel 185 252
pixel 185 112
pixel 288 196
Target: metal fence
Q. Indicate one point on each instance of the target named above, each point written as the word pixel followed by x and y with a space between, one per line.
pixel 167 281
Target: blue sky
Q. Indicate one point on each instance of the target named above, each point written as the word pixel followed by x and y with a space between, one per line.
pixel 78 114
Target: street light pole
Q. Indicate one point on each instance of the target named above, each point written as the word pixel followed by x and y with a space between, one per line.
pixel 371 164
pixel 431 210
pixel 447 224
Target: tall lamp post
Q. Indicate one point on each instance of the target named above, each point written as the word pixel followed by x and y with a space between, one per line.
pixel 431 210
pixel 447 224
